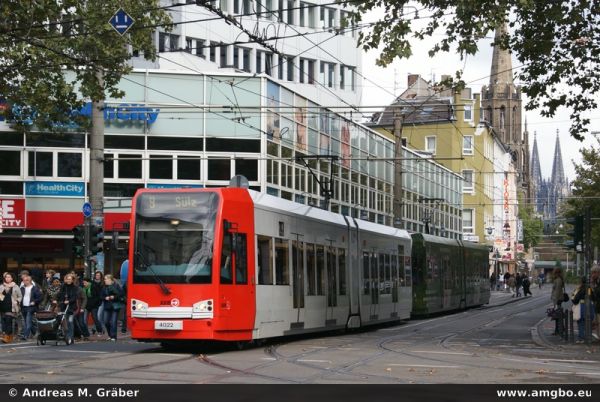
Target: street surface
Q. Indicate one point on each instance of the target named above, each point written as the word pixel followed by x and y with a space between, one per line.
pixel 492 344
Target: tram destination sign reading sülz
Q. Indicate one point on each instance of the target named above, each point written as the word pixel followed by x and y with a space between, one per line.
pixel 161 202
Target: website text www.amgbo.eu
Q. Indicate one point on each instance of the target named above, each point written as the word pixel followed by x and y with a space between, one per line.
pixel 544 393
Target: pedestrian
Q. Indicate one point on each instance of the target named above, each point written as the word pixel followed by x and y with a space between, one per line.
pixel 67 300
pixel 123 276
pixel 506 279
pixel 99 281
pixel 578 299
pixel 112 296
pixel 518 283
pixel 51 293
pixel 493 281
pixel 595 285
pixel 92 291
pixel 32 298
pixel 511 284
pixel 526 284
pixel 558 290
pixel 78 316
pixel 48 276
pixel 10 302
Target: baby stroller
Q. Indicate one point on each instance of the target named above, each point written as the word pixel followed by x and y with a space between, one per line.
pixel 52 326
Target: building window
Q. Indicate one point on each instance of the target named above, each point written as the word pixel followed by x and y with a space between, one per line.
pixel 213 51
pixel 130 166
pixel 69 164
pixel 188 168
pixel 161 167
pixel 468 112
pixel 468 186
pixel 219 169
pixel 430 144
pixel 10 163
pixel 468 145
pixel 290 68
pixel 223 56
pixel 327 17
pixel 167 42
pixel 468 221
pixel 195 46
pixel 40 164
pixel 327 74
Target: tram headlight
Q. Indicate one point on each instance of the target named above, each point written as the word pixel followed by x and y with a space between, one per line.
pixel 203 306
pixel 138 305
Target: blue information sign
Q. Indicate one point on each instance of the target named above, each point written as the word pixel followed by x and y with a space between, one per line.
pixel 121 21
pixel 87 209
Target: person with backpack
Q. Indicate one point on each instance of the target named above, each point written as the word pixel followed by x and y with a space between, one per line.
pixel 112 300
pixel 32 298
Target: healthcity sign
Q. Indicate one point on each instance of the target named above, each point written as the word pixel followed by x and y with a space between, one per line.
pixel 122 113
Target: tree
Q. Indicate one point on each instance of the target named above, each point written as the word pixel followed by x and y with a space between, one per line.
pixel 586 189
pixel 533 227
pixel 52 50
pixel 557 42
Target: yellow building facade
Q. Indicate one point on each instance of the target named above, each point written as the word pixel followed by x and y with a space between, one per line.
pixel 449 128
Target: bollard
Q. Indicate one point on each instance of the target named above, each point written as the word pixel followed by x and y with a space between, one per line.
pixel 559 321
pixel 565 334
pixel 571 328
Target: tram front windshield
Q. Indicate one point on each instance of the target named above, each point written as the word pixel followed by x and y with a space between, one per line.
pixel 174 235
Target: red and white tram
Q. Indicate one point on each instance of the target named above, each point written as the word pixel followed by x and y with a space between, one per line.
pixel 233 264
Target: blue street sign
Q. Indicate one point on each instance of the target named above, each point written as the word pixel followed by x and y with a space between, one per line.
pixel 121 21
pixel 87 209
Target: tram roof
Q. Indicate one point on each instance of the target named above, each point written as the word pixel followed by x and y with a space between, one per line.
pixel 294 208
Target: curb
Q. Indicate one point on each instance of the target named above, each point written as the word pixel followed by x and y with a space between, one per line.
pixel 539 339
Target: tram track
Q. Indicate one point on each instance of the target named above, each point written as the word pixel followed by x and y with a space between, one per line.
pixel 348 368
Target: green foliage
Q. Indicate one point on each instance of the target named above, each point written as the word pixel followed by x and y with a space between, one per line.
pixel 533 227
pixel 586 189
pixel 556 42
pixel 42 39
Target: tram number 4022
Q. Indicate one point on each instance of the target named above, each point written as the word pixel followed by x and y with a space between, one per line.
pixel 168 325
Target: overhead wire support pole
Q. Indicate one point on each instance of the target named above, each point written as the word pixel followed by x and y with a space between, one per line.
pixel 589 313
pixel 96 194
pixel 398 218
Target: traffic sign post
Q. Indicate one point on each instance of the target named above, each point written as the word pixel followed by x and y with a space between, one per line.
pixel 121 21
pixel 87 209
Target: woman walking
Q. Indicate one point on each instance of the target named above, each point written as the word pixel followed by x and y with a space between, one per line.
pixel 558 290
pixel 10 302
pixel 68 302
pixel 112 296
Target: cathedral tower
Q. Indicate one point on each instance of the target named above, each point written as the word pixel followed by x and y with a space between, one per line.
pixel 502 107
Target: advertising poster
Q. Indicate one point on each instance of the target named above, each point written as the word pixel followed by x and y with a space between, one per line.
pixel 300 117
pixel 345 144
pixel 273 124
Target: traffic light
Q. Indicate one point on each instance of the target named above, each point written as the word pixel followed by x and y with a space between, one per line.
pixel 576 233
pixel 78 243
pixel 96 239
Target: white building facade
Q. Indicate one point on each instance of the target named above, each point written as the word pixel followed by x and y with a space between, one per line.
pixel 316 56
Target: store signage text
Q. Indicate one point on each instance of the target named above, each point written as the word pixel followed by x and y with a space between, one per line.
pixel 122 113
pixel 53 188
pixel 12 213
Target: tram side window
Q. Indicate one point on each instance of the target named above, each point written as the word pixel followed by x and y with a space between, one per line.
pixel 320 270
pixel 342 270
pixel 382 284
pixel 311 269
pixel 241 259
pixel 331 277
pixel 366 274
pixel 265 260
pixel 226 272
pixel 282 273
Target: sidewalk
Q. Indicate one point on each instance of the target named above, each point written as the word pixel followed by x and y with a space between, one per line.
pixel 543 335
pixel 500 298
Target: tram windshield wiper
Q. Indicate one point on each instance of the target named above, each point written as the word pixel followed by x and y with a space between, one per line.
pixel 147 266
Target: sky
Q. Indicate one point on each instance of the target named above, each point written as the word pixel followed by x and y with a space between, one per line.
pixel 476 70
